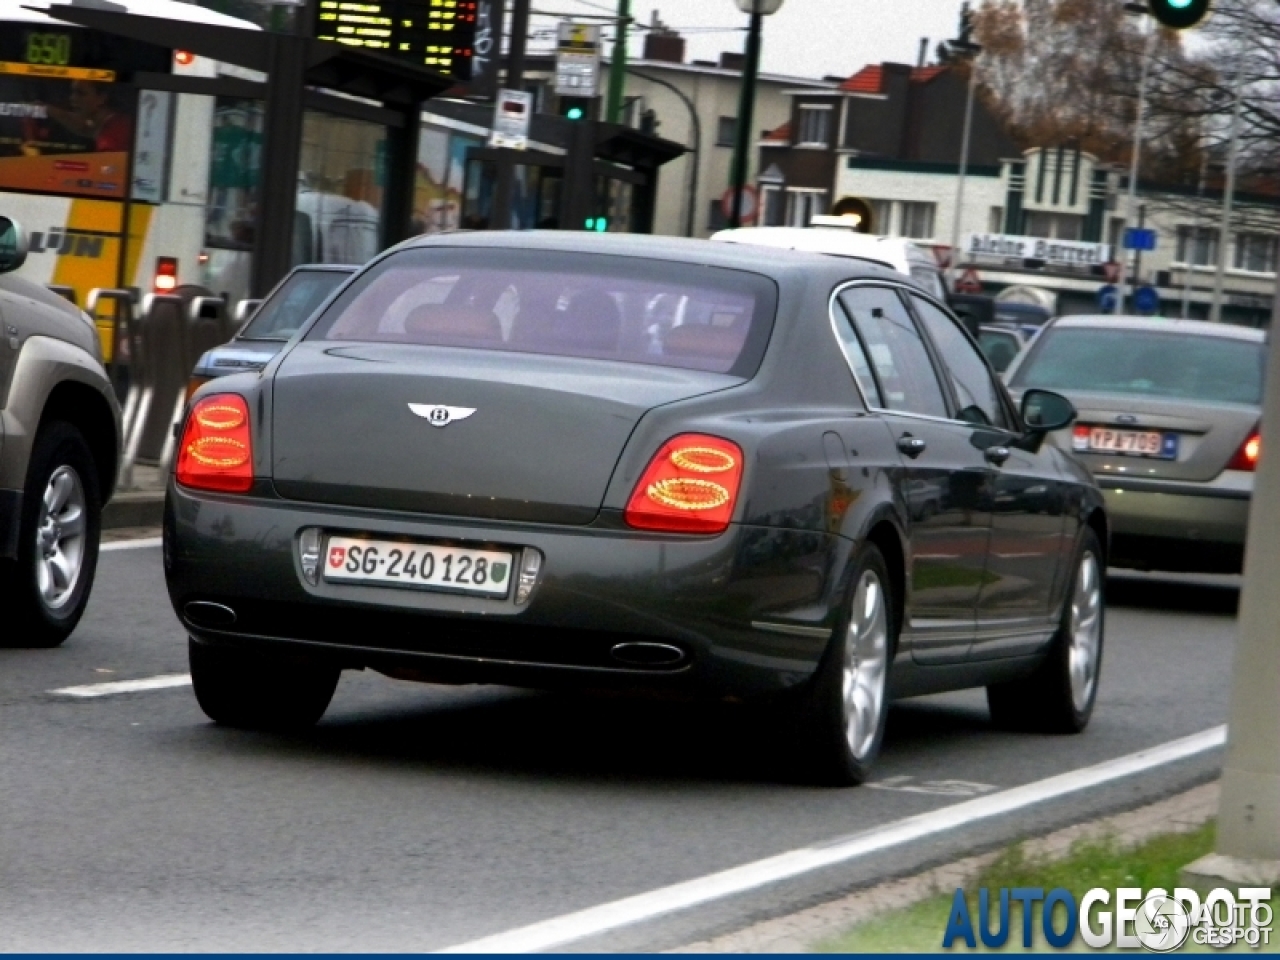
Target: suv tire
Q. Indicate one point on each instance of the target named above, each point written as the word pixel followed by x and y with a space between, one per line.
pixel 47 587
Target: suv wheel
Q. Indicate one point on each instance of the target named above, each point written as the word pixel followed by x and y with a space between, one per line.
pixel 47 588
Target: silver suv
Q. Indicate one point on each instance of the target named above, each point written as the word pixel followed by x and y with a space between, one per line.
pixel 59 447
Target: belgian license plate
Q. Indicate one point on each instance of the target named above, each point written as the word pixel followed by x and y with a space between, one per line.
pixel 1141 443
pixel 426 566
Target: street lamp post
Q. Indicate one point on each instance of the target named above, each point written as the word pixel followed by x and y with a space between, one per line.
pixel 1131 209
pixel 758 9
pixel 972 50
pixel 1224 232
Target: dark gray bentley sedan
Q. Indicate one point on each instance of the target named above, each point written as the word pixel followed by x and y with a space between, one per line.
pixel 548 458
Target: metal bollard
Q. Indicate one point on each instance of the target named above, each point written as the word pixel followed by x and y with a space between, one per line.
pixel 205 329
pixel 243 313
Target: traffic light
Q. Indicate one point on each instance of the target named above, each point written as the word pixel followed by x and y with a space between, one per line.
pixel 598 224
pixel 1178 14
pixel 575 108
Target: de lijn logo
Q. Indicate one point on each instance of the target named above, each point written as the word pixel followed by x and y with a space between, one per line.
pixel 1128 917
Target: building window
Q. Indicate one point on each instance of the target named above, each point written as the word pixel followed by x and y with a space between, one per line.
pixel 726 131
pixel 773 207
pixel 1256 252
pixel 1054 226
pixel 815 126
pixel 804 205
pixel 917 220
pixel 882 217
pixel 1198 246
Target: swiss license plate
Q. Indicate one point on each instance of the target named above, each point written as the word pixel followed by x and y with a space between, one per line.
pixel 422 565
pixel 1141 443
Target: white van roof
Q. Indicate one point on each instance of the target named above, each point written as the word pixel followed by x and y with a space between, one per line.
pixel 894 252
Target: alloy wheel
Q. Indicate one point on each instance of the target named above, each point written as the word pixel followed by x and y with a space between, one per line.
pixel 60 537
pixel 866 661
pixel 1085 631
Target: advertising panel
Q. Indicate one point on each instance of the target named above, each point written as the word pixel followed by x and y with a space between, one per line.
pixel 69 137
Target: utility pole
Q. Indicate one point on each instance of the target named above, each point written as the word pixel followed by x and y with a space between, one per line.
pixel 618 64
pixel 504 178
pixel 1247 849
pixel 758 9
pixel 1131 209
pixel 1224 232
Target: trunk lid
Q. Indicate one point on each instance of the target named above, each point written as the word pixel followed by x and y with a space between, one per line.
pixel 541 444
pixel 1207 434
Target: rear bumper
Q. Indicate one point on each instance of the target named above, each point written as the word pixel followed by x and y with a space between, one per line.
pixel 751 610
pixel 1179 526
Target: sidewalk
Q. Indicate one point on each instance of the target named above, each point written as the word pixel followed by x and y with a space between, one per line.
pixel 140 506
pixel 801 932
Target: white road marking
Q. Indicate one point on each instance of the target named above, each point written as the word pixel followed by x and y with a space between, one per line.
pixel 90 690
pixel 138 544
pixel 558 931
pixel 945 788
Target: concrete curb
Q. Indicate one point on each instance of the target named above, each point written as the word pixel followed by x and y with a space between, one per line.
pixel 134 508
pixel 801 932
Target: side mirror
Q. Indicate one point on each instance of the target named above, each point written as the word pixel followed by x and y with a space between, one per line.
pixel 13 245
pixel 1044 411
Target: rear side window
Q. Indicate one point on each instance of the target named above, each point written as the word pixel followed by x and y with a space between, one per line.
pixel 975 389
pixel 1150 363
pixel 292 305
pixel 903 371
pixel 560 304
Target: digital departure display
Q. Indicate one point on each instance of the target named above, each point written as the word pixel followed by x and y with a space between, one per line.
pixel 439 34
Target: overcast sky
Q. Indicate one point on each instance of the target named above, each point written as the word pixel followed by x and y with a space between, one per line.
pixel 808 38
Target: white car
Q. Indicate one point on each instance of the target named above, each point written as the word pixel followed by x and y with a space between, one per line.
pixel 831 235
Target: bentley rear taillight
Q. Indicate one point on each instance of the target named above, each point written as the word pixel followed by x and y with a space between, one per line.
pixel 216 452
pixel 691 486
pixel 1246 457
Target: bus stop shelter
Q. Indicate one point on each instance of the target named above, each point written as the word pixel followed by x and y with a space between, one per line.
pixel 302 73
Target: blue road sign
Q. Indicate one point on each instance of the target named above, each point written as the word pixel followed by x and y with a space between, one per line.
pixel 1146 300
pixel 1107 298
pixel 1135 239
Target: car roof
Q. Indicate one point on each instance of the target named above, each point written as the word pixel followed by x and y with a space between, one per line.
pixel 1196 328
pixel 892 251
pixel 732 256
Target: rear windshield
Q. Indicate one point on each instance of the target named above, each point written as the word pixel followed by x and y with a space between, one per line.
pixel 562 304
pixel 1146 363
pixel 288 308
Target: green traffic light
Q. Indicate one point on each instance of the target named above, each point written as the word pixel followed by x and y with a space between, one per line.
pixel 602 224
pixel 1179 14
pixel 574 113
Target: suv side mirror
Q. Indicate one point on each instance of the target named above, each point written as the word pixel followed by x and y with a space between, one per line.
pixel 1044 411
pixel 13 245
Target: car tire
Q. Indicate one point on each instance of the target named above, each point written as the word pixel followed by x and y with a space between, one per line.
pixel 847 705
pixel 238 688
pixel 1060 695
pixel 46 587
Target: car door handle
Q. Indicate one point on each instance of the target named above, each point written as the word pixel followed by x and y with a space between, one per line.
pixel 911 446
pixel 997 455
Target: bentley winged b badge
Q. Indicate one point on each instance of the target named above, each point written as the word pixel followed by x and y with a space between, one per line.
pixel 439 416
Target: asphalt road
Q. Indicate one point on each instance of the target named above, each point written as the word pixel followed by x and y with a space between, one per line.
pixel 416 817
